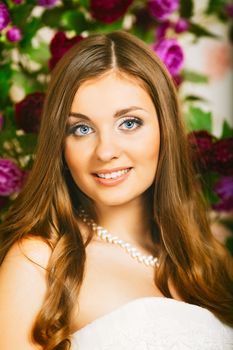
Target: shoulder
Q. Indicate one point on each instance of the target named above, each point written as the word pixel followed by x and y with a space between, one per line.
pixel 31 248
pixel 23 287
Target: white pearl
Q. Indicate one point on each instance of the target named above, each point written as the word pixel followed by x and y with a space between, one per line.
pixel 126 245
pixel 149 260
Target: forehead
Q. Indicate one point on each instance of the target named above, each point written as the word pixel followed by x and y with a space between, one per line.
pixel 110 91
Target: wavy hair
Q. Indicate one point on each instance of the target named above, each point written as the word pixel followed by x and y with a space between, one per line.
pixel 196 264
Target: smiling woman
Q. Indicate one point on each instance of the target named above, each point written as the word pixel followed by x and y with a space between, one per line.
pixel 103 151
pixel 108 245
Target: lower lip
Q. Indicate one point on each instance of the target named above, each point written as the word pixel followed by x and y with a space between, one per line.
pixel 112 182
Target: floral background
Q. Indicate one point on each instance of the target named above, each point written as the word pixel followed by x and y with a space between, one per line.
pixel 35 34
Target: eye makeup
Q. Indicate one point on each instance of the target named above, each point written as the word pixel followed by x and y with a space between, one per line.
pixel 127 124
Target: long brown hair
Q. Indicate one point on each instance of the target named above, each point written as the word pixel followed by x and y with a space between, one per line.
pixel 190 258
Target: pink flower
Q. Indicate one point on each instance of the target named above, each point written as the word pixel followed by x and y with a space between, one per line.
pixel 59 45
pixel 162 9
pixel 162 29
pixel 4 16
pixel 11 177
pixel 171 53
pixel 108 11
pixel 28 112
pixel 14 34
pixel 17 1
pixel 47 3
pixel 181 25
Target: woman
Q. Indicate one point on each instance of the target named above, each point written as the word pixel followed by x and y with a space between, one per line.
pixel 112 151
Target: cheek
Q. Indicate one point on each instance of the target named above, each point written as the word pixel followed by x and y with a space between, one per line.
pixel 147 150
pixel 73 159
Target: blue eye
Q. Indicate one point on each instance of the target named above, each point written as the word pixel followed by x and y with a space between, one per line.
pixel 131 123
pixel 80 130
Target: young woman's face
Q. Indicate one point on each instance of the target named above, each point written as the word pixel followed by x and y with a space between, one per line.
pixel 113 139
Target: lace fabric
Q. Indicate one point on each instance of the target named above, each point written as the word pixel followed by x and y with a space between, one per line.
pixel 154 323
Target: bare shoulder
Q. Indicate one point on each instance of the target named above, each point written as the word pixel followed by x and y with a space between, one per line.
pixel 31 248
pixel 23 288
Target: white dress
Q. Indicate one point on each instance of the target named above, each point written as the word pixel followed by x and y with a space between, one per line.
pixel 155 323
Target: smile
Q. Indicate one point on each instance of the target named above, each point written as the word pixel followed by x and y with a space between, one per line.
pixel 112 178
pixel 113 175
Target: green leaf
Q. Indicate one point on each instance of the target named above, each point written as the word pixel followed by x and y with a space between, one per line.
pixel 40 54
pixel 84 3
pixel 194 98
pixel 227 130
pixel 147 36
pixel 200 31
pixel 52 18
pixel 197 119
pixel 5 83
pixel 186 8
pixel 27 81
pixel 208 180
pixel 103 28
pixel 210 195
pixel 215 6
pixel 194 77
pixel 74 20
pixel 9 121
pixel 21 13
pixel 28 143
pixel 29 31
pixel 6 136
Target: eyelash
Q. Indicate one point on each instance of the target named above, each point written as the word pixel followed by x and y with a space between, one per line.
pixel 73 128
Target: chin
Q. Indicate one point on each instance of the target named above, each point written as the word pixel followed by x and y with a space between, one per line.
pixel 117 199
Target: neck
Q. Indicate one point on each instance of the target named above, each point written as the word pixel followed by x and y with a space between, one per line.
pixel 130 222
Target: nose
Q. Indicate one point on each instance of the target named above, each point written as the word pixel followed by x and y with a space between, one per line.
pixel 107 148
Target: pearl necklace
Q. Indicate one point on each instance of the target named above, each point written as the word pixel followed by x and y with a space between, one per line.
pixel 148 260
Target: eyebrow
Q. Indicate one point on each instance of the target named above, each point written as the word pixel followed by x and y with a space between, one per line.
pixel 116 114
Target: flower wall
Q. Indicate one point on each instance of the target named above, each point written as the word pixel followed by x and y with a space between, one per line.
pixel 35 34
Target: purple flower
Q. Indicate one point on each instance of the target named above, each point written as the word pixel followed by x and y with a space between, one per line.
pixel 47 3
pixel 4 16
pixel 108 11
pixel 143 19
pixel 28 112
pixel 224 189
pixel 59 45
pixel 181 25
pixel 201 146
pixel 229 9
pixel 171 53
pixel 161 9
pixel 162 29
pixel 14 34
pixel 223 156
pixel 17 1
pixel 11 177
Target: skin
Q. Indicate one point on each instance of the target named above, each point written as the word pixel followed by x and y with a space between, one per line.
pixel 110 143
pixel 121 209
pixel 107 142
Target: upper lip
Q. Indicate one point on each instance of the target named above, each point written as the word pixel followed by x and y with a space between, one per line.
pixel 106 171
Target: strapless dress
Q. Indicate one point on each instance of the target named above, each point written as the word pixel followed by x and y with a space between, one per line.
pixel 155 323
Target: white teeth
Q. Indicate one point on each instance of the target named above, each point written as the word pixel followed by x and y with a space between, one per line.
pixel 113 175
